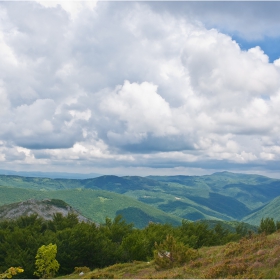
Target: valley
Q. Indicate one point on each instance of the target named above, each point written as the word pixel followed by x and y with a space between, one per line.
pixel 221 196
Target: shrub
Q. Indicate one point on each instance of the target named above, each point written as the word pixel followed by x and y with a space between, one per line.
pixel 267 226
pixel 10 272
pixel 80 269
pixel 172 253
pixel 57 202
pixel 102 275
pixel 226 269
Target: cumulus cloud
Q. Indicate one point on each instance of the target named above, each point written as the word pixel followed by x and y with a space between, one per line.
pixel 123 84
pixel 141 109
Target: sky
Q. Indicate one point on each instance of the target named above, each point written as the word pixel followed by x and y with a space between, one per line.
pixel 140 88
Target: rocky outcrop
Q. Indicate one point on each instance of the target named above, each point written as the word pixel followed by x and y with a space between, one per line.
pixel 43 208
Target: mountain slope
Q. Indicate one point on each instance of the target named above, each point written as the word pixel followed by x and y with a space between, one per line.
pixel 190 201
pixel 121 184
pixel 251 190
pixel 270 210
pixel 95 205
pixel 223 195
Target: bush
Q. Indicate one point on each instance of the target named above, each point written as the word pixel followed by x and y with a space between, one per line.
pixel 226 269
pixel 102 275
pixel 12 271
pixel 80 269
pixel 171 253
pixel 58 203
pixel 267 226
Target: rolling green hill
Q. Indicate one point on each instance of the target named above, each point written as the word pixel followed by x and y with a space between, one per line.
pixel 38 183
pixel 138 188
pixel 270 210
pixel 252 190
pixel 183 196
pixel 220 196
pixel 95 205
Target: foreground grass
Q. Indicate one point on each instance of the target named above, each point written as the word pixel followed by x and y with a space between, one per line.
pixel 252 258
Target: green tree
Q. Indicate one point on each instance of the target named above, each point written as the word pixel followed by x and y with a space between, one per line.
pixel 196 235
pixel 172 253
pixel 241 229
pixel 278 225
pixel 136 246
pixel 156 233
pixel 267 226
pixel 60 222
pixel 18 246
pixel 117 229
pixel 78 246
pixel 46 263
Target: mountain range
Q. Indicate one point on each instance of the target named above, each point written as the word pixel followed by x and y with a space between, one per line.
pixel 164 199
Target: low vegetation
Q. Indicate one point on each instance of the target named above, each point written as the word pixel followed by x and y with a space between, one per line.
pixel 83 246
pixel 253 257
pixel 10 272
pixel 115 249
pixel 159 244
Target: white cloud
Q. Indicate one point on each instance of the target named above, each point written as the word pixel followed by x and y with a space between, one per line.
pixel 141 109
pixel 74 8
pixel 121 84
pixel 277 62
pixel 216 65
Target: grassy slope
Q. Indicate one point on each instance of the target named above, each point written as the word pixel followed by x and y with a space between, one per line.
pixel 11 194
pixel 256 257
pixel 271 210
pixel 93 204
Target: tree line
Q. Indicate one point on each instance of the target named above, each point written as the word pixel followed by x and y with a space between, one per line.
pixel 85 244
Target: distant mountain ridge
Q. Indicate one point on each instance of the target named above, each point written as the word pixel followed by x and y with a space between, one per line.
pixel 52 175
pixel 220 196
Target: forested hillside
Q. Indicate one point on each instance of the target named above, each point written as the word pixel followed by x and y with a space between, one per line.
pixel 222 196
pixel 133 219
pixel 81 244
pixel 95 205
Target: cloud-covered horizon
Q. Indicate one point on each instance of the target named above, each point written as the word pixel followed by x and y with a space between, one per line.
pixel 138 87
